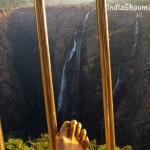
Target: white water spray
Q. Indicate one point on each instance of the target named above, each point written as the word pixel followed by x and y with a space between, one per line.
pixel 118 81
pixel 77 43
pixel 136 32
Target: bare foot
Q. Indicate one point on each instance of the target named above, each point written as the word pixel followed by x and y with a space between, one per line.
pixel 72 137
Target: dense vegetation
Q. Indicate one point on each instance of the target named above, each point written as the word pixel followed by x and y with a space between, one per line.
pixel 25 3
pixel 13 4
pixel 7 4
pixel 43 144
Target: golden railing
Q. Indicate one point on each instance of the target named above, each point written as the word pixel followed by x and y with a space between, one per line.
pixel 106 74
pixel 46 72
pixel 2 146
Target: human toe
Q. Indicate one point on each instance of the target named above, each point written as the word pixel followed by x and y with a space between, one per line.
pixel 64 130
pixel 86 143
pixel 78 129
pixel 82 135
pixel 72 128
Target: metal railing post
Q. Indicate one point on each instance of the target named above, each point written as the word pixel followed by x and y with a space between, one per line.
pixel 106 74
pixel 46 72
pixel 2 145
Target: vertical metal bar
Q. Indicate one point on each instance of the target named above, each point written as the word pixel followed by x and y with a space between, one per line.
pixel 46 72
pixel 106 74
pixel 2 146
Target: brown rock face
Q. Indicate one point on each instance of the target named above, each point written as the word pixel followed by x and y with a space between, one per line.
pixel 20 78
pixel 130 54
pixel 12 104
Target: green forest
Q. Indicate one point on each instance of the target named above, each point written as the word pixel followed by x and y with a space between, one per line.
pixel 26 3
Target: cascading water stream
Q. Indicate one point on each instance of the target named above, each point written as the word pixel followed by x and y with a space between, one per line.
pixel 136 32
pixel 118 82
pixel 63 79
pixel 77 43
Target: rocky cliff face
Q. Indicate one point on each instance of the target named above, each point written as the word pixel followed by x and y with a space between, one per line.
pixel 131 98
pixel 20 80
pixel 13 107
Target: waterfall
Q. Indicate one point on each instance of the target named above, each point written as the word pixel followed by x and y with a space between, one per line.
pixel 136 31
pixel 118 82
pixel 85 21
pixel 77 43
pixel 74 47
pixel 62 87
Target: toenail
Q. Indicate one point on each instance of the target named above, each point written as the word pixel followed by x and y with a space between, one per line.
pixel 87 138
pixel 67 124
pixel 79 124
pixel 74 121
pixel 83 130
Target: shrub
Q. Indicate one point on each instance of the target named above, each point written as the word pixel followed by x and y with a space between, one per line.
pixel 94 146
pixel 40 143
pixel 16 144
pixel 43 144
pixel 128 147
